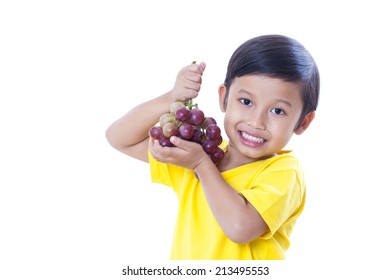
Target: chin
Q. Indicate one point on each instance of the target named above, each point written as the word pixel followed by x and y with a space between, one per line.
pixel 253 155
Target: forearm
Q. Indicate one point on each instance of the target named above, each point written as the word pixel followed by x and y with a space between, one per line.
pixel 239 220
pixel 237 217
pixel 133 127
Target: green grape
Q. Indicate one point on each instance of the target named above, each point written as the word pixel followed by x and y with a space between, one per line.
pixel 167 118
pixel 176 106
pixel 170 129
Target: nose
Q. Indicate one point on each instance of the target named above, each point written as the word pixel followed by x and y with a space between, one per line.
pixel 258 119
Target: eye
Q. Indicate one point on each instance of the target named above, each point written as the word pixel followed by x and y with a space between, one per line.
pixel 278 111
pixel 245 101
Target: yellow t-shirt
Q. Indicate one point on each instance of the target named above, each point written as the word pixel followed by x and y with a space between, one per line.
pixel 275 187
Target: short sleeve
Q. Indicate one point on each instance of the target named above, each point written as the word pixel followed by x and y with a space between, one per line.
pixel 276 196
pixel 166 174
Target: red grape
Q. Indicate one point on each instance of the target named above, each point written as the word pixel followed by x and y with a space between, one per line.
pixel 155 132
pixel 182 114
pixel 209 146
pixel 218 155
pixel 164 141
pixel 207 121
pixel 198 136
pixel 186 131
pixel 213 131
pixel 218 140
pixel 197 117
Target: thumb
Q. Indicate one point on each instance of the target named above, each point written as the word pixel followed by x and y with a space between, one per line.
pixel 202 65
pixel 179 143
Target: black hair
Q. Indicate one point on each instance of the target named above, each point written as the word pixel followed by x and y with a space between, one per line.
pixel 281 57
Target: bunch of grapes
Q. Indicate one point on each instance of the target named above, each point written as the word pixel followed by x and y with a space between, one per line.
pixel 188 122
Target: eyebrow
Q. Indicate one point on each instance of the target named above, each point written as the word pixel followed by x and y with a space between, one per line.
pixel 277 100
pixel 285 102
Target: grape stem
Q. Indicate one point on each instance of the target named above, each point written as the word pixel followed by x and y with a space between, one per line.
pixel 190 104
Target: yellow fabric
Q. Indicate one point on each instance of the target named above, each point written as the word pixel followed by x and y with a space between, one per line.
pixel 275 187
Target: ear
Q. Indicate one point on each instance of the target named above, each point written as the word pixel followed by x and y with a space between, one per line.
pixel 305 123
pixel 222 94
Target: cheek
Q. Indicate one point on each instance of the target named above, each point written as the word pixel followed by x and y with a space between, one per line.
pixel 234 112
pixel 228 123
pixel 284 133
pixel 230 117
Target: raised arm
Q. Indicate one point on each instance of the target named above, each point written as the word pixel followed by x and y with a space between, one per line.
pixel 129 134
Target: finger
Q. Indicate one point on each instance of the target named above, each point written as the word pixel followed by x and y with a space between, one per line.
pixel 190 94
pixel 152 144
pixel 180 143
pixel 202 65
pixel 193 86
pixel 192 76
pixel 198 68
pixel 158 152
pixel 156 149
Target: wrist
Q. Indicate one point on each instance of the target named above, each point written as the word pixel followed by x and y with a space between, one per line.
pixel 203 165
pixel 169 97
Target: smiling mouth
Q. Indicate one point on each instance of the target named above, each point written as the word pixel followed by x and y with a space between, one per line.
pixel 252 138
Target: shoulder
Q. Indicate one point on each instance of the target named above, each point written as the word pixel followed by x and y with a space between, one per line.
pixel 284 167
pixel 283 159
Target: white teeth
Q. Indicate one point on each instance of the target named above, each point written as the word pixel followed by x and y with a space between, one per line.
pixel 252 138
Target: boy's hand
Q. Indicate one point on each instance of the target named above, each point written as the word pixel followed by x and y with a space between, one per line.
pixel 185 153
pixel 188 82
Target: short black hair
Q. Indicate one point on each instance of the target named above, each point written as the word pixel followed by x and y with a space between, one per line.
pixel 281 57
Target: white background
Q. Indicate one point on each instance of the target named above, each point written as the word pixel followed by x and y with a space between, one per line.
pixel 71 207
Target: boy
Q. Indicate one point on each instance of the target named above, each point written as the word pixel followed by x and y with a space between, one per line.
pixel 244 207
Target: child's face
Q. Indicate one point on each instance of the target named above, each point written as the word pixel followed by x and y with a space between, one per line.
pixel 260 116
